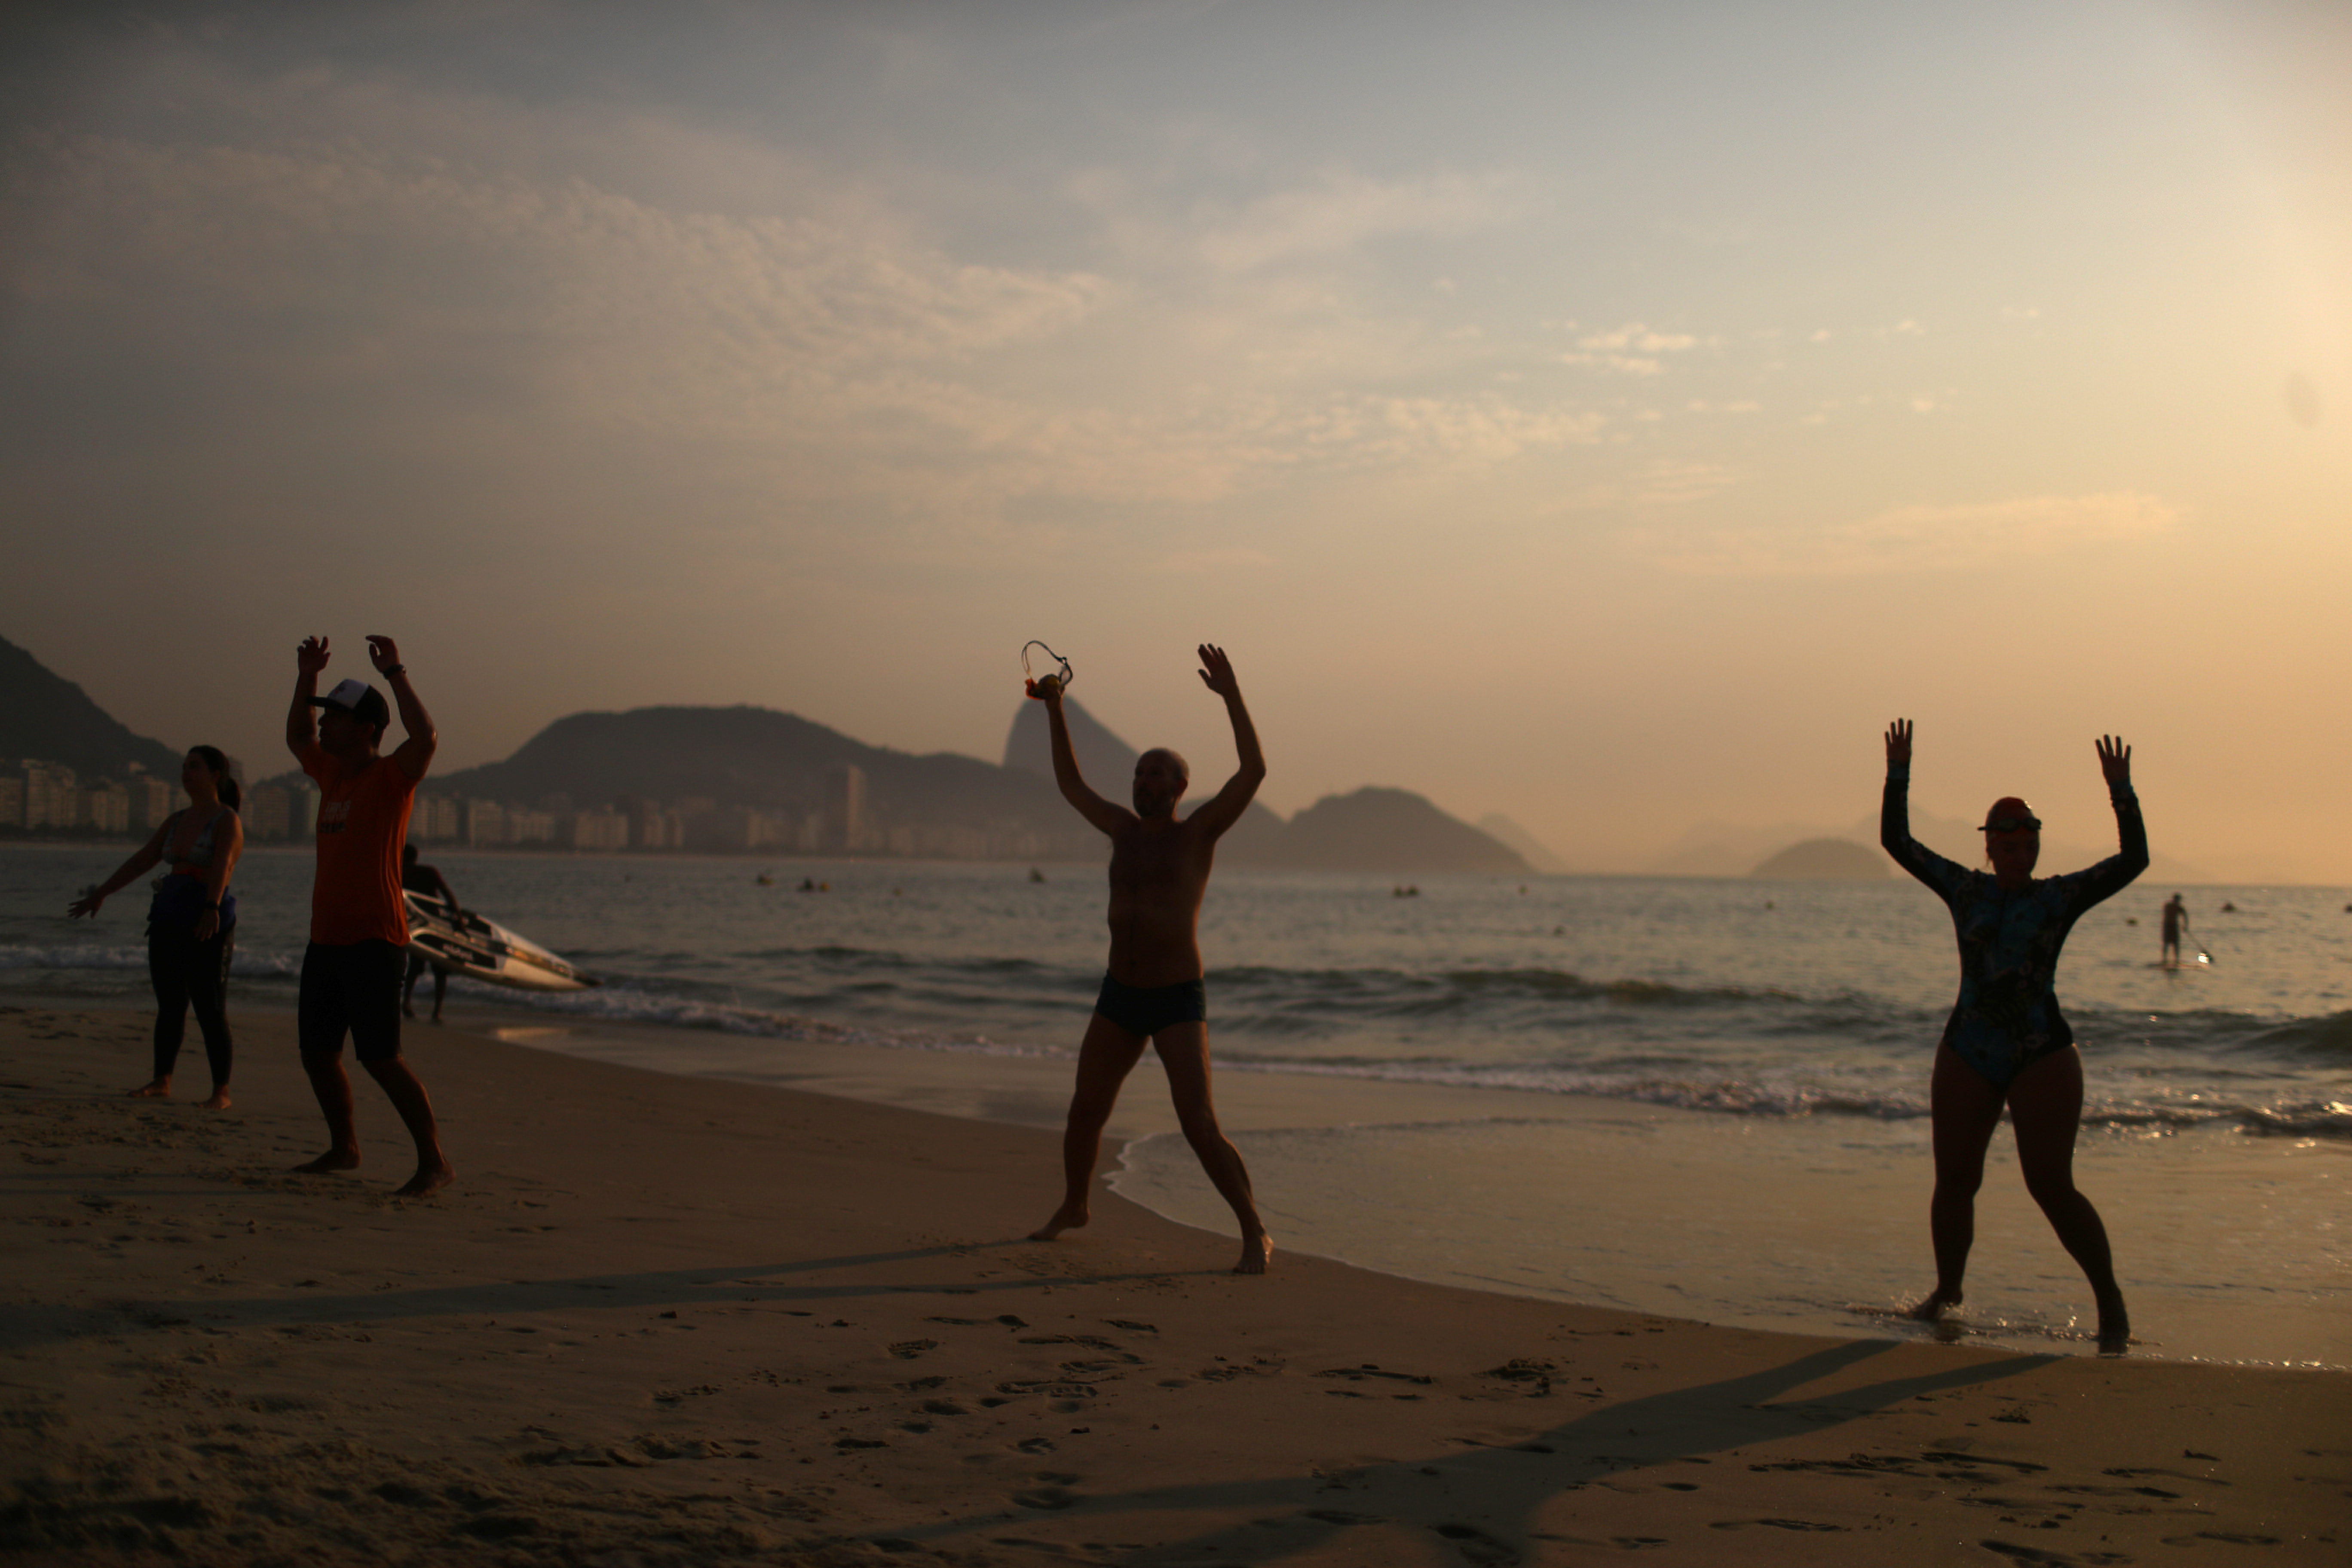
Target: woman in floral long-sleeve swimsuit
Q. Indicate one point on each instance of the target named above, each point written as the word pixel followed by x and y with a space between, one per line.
pixel 2006 1042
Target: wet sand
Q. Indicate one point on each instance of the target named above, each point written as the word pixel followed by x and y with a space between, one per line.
pixel 664 1320
pixel 2231 1247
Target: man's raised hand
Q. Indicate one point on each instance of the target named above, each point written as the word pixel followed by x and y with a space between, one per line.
pixel 1217 671
pixel 383 653
pixel 1898 741
pixel 311 658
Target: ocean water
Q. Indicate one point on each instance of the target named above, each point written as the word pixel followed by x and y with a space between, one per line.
pixel 1789 1021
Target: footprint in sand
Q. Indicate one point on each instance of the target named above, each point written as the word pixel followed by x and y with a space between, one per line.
pixel 1478 1546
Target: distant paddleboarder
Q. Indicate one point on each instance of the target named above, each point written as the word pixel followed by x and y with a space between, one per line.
pixel 2175 922
pixel 1154 988
pixel 2006 1042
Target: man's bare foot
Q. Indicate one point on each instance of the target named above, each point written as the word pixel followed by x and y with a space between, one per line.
pixel 2115 1326
pixel 1932 1307
pixel 429 1178
pixel 1258 1251
pixel 159 1089
pixel 331 1161
pixel 219 1101
pixel 1065 1219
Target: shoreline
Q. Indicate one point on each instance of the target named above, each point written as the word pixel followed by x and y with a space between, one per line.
pixel 1798 1225
pixel 1844 1201
pixel 663 1319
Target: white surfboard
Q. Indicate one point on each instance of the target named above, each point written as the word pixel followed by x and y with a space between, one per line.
pixel 465 943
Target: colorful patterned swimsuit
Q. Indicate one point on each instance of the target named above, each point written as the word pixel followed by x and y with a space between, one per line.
pixel 2007 1017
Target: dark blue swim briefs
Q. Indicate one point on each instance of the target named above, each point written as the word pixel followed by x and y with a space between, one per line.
pixel 1146 1010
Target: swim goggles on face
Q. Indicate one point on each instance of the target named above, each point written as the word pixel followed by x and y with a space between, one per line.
pixel 2010 824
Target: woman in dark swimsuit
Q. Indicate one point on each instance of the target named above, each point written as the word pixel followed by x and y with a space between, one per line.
pixel 192 923
pixel 2006 1042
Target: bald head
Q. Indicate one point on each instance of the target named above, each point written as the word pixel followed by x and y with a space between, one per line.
pixel 1161 776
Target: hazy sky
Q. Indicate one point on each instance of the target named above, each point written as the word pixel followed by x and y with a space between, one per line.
pixel 1607 413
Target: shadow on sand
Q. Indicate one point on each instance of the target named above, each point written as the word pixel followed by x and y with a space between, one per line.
pixel 23 1326
pixel 1504 1487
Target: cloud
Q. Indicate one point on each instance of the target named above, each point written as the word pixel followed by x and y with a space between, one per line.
pixel 1918 538
pixel 1339 213
pixel 1636 336
pixel 1232 558
pixel 813 350
pixel 1485 430
pixel 1633 349
pixel 1665 482
pixel 656 310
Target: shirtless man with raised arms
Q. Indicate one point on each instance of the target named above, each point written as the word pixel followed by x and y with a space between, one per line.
pixel 1154 989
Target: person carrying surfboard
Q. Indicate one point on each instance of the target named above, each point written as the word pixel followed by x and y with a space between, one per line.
pixel 358 926
pixel 1153 989
pixel 428 882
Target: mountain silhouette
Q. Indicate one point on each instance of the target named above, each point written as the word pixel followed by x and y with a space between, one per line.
pixel 1389 830
pixel 1106 761
pixel 1533 850
pixel 47 717
pixel 1827 860
pixel 765 760
pixel 759 758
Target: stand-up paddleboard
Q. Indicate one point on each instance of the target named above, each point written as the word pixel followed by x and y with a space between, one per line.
pixel 465 943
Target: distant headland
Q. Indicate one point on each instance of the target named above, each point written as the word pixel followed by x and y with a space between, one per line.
pixel 707 780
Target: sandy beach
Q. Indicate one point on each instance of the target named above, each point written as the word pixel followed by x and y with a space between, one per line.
pixel 668 1320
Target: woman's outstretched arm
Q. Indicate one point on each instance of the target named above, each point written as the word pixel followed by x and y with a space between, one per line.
pixel 2112 875
pixel 146 856
pixel 1894 816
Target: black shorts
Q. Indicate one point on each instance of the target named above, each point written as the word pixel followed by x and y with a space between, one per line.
pixel 352 988
pixel 1146 1010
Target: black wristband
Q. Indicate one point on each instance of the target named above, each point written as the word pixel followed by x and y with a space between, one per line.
pixel 395 669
